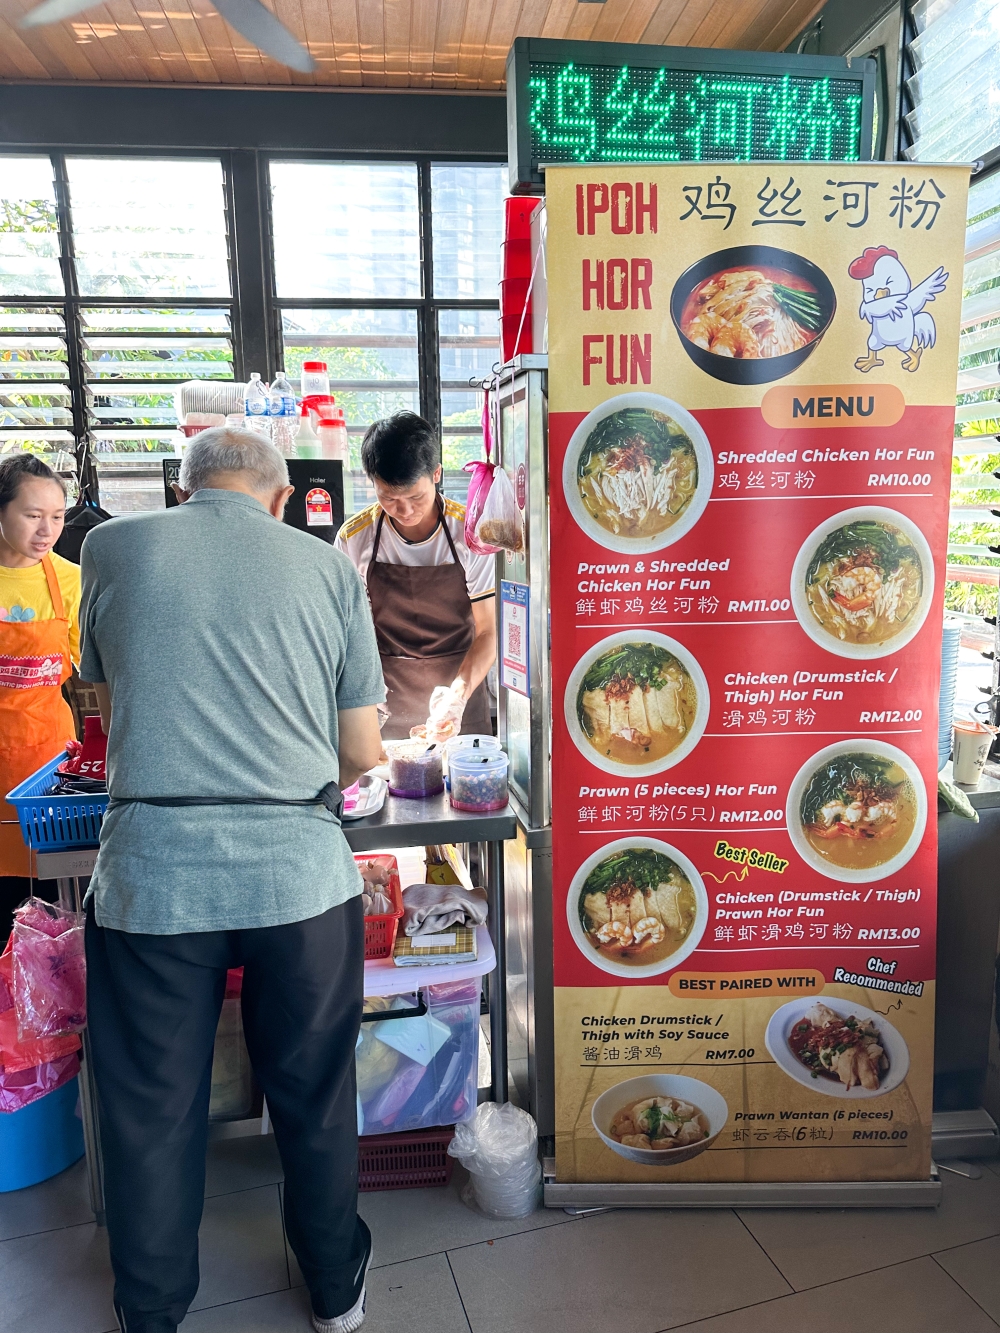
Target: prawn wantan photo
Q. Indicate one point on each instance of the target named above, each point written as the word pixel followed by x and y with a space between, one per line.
pixel 637 473
pixel 659 1122
pixel 858 810
pixel 637 907
pixel 636 703
pixel 864 583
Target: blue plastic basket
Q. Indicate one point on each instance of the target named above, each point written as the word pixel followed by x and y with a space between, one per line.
pixel 54 823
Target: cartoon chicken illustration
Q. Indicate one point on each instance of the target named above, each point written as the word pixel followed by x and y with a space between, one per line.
pixel 894 308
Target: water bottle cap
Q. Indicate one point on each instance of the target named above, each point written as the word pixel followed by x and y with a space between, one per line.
pixel 314 365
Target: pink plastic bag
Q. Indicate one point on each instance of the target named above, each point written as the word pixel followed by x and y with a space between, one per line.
pixel 50 970
pixel 479 487
pixel 21 1089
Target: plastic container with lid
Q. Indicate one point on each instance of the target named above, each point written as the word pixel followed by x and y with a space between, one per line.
pixel 415 768
pixel 332 432
pixel 478 779
pixel 470 742
pixel 314 378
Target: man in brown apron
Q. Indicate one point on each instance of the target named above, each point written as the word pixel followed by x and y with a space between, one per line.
pixel 432 600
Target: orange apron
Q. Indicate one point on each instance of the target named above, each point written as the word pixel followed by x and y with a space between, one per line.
pixel 35 719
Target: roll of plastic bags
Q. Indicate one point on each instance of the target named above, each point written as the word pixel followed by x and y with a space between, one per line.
pixel 49 970
pixel 499 1149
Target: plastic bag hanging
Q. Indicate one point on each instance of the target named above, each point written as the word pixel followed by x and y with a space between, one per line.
pixel 480 483
pixel 500 526
pixel 50 970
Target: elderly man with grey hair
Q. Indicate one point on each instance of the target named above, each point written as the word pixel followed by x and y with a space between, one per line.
pixel 238 675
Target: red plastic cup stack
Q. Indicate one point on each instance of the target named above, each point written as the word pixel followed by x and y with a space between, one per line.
pixel 515 278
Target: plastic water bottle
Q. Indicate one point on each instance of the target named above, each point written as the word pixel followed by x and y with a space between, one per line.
pixel 283 415
pixel 255 406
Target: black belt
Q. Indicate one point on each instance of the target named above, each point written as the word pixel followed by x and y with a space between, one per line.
pixel 331 797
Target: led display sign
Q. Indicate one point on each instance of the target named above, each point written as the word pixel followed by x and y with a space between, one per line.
pixel 585 102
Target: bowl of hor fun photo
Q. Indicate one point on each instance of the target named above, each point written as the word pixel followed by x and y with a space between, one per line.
pixel 837 1047
pixel 857 810
pixel 636 703
pixel 659 1119
pixel 637 907
pixel 638 473
pixel 751 314
pixel 863 582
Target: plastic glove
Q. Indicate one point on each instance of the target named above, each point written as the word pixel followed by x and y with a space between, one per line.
pixel 444 719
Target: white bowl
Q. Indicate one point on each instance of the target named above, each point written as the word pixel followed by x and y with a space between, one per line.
pixel 785 1018
pixel 643 969
pixel 800 603
pixel 801 781
pixel 694 735
pixel 652 402
pixel 692 1090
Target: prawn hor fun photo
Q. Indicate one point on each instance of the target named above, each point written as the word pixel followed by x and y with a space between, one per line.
pixel 752 313
pixel 637 473
pixel 857 810
pixel 637 907
pixel 659 1119
pixel 636 703
pixel 862 583
pixel 837 1047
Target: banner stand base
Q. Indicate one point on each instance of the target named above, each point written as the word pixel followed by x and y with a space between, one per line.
pixel 740 1194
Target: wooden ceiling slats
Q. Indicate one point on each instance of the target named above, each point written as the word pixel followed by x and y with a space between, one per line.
pixel 376 43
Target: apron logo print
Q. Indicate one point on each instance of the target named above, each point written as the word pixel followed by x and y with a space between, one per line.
pixel 27 673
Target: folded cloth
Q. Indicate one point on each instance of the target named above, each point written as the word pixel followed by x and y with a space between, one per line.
pixel 430 908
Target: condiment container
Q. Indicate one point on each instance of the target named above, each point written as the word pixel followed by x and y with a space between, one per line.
pixel 415 768
pixel 470 742
pixel 972 746
pixel 478 779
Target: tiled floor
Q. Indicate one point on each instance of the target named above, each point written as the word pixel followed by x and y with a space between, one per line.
pixel 441 1268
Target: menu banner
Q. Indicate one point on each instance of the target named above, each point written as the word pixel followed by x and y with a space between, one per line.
pixel 751 410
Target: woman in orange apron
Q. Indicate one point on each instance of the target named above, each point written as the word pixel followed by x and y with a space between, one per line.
pixel 39 637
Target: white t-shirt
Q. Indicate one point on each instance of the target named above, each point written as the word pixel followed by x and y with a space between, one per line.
pixel 357 540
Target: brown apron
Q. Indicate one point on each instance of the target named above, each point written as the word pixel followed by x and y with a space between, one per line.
pixel 424 627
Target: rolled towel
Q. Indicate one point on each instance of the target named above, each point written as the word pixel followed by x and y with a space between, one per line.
pixel 431 908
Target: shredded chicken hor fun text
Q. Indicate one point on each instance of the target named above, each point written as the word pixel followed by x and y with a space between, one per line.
pixel 848 1049
pixel 637 473
pixel 659 1122
pixel 752 313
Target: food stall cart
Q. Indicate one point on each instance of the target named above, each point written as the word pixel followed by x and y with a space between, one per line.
pixel 399 824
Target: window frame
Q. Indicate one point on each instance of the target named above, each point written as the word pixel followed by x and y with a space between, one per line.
pixel 255 308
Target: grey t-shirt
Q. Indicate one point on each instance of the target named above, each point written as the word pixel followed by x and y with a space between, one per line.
pixel 229 642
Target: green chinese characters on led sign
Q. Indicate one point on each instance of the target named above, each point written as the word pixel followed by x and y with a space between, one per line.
pixel 582 113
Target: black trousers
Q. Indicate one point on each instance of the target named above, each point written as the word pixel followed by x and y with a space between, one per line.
pixel 154 1004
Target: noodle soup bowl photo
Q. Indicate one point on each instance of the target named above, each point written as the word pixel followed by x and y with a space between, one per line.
pixel 836 1047
pixel 637 908
pixel 638 473
pixel 863 582
pixel 857 810
pixel 636 703
pixel 659 1119
pixel 751 314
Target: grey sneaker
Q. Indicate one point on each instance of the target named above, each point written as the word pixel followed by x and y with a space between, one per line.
pixel 354 1317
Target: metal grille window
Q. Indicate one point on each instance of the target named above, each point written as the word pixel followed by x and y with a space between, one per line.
pixel 388 272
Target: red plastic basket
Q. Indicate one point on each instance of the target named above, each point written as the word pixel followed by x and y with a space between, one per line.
pixel 404 1161
pixel 380 931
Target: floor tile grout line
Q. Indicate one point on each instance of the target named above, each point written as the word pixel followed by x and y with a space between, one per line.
pixel 284 1235
pixel 947 1249
pixel 762 1249
pixel 961 1286
pixel 693 1323
pixel 487 1240
pixel 72 1226
pixel 458 1290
